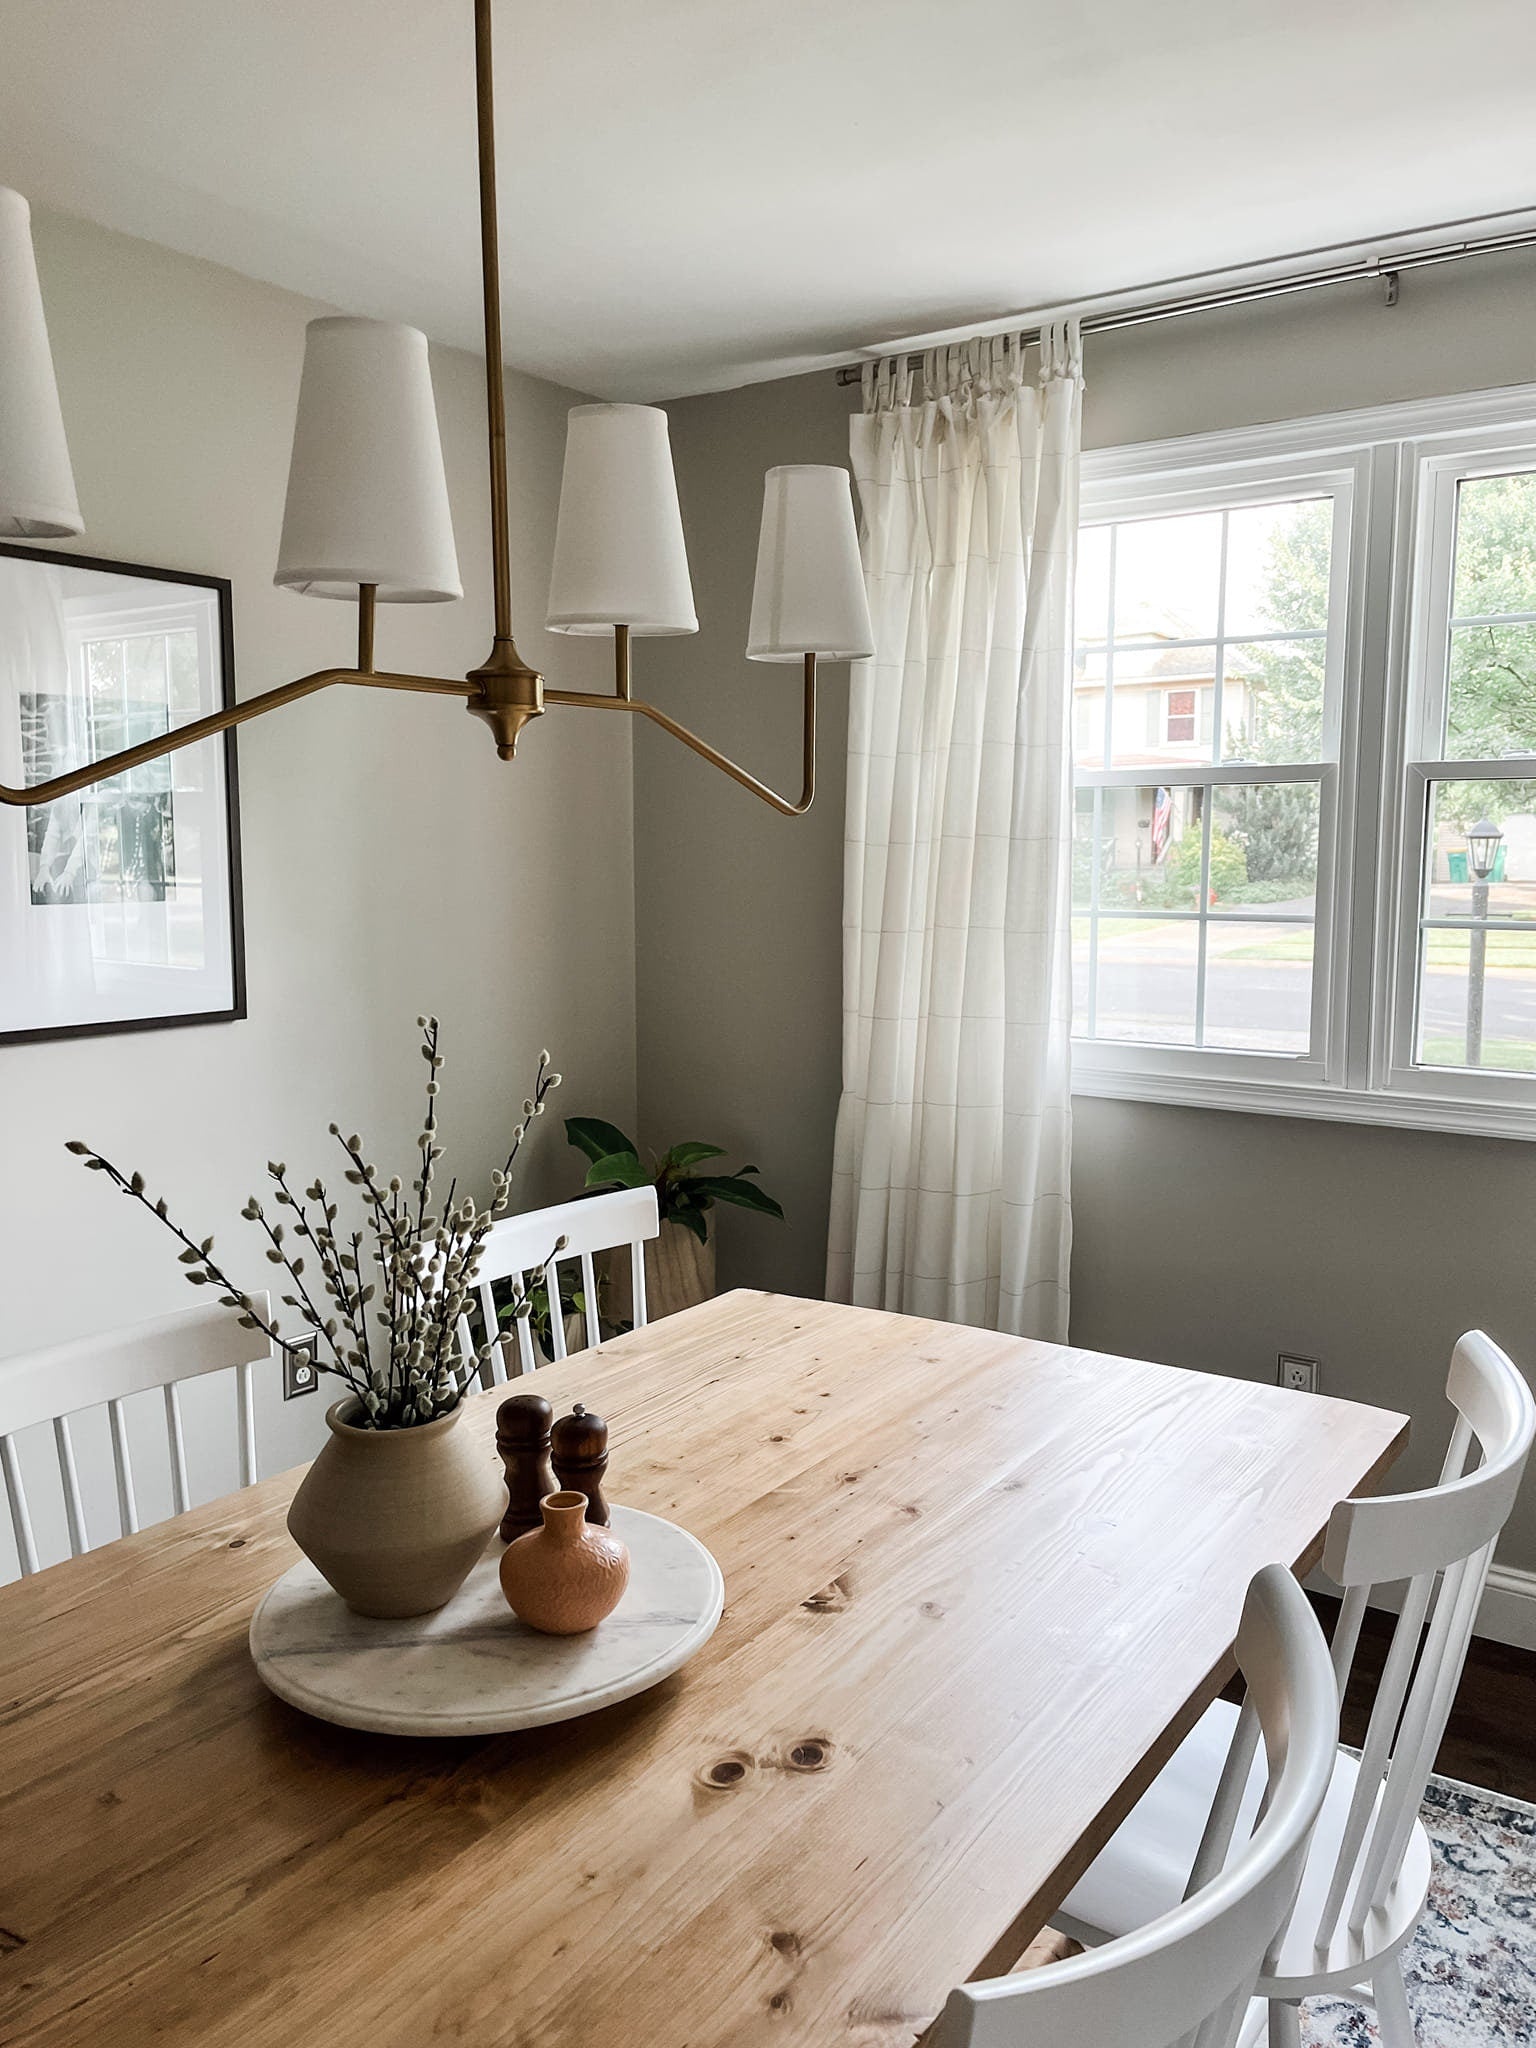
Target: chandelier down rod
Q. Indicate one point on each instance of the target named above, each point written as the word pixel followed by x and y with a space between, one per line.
pixel 504 692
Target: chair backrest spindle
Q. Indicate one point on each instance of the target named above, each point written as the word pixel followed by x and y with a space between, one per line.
pixel 523 1249
pixel 51 1387
pixel 1442 1542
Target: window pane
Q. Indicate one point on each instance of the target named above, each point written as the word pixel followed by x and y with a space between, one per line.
pixel 1491 692
pixel 1453 887
pixel 1083 844
pixel 1272 701
pixel 1168 577
pixel 1230 605
pixel 1495 546
pixel 1091 598
pixel 1477 982
pixel 1264 846
pixel 1146 980
pixel 1164 704
pixel 1258 987
pixel 1149 848
pixel 1279 559
pixel 1477 1000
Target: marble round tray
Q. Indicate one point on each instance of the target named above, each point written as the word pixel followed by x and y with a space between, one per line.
pixel 473 1668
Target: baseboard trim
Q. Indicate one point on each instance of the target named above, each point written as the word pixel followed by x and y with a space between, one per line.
pixel 1507 1614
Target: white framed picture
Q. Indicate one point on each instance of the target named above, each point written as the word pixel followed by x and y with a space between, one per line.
pixel 120 904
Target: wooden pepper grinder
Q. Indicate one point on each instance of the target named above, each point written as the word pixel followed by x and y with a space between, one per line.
pixel 522 1437
pixel 579 1447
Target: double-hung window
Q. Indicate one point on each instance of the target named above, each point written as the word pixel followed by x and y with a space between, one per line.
pixel 1304 724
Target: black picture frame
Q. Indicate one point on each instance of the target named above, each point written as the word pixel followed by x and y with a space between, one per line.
pixel 235 1011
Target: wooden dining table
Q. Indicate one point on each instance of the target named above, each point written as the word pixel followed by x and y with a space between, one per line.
pixel 977 1588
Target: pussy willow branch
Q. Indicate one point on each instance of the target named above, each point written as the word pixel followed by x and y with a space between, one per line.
pixel 427 1263
pixel 201 1268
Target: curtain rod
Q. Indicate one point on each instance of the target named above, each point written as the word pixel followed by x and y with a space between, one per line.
pixel 1365 270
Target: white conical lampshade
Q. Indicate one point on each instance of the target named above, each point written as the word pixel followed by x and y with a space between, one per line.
pixel 619 553
pixel 367 498
pixel 809 594
pixel 37 487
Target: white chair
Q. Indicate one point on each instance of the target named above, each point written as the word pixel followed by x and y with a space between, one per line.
pixel 519 1245
pixel 64 1381
pixel 1187 1979
pixel 1367 1876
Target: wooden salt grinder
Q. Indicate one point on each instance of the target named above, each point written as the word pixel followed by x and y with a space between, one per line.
pixel 580 1453
pixel 522 1438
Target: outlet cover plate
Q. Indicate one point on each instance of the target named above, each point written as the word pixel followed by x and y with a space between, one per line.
pixel 301 1368
pixel 1297 1374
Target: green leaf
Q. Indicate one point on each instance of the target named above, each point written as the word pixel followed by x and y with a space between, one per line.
pixel 623 1167
pixel 730 1187
pixel 692 1219
pixel 689 1155
pixel 598 1140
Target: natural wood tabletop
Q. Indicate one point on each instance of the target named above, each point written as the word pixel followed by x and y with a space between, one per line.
pixel 976 1589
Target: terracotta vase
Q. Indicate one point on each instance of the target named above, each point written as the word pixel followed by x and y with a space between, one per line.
pixel 566 1577
pixel 395 1518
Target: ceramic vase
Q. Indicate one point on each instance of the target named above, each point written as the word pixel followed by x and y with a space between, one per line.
pixel 566 1577
pixel 395 1518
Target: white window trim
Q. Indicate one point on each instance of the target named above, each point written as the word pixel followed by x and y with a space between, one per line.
pixel 1390 460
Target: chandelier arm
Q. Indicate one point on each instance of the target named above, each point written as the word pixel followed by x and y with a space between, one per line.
pixel 222 721
pixel 621 701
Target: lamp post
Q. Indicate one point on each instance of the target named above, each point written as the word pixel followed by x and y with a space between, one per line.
pixel 1482 853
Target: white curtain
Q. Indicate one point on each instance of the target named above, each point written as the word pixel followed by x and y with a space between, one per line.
pixel 950 1192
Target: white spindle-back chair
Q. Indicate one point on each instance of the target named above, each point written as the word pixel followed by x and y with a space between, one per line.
pixel 1367 1877
pixel 1186 1980
pixel 61 1383
pixel 520 1245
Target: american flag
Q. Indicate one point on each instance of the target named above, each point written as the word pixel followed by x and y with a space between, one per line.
pixel 1162 823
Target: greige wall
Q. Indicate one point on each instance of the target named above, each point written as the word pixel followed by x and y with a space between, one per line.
pixel 392 863
pixel 1205 1238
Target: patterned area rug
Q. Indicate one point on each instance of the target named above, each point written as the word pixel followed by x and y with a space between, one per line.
pixel 1471 1968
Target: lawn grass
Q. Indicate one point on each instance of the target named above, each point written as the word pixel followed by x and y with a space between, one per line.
pixel 1506 1055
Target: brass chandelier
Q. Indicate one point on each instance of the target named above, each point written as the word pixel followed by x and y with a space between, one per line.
pixel 367 516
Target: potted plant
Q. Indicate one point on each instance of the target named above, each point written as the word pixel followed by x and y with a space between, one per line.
pixel 680 1263
pixel 399 1504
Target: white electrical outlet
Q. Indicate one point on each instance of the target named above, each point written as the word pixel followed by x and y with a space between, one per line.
pixel 301 1367
pixel 1299 1375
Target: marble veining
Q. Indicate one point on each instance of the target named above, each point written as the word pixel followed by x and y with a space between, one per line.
pixel 473 1668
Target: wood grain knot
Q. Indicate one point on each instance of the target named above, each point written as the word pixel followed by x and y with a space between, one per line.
pixel 814 1753
pixel 725 1772
pixel 785 1944
pixel 832 1598
pixel 931 1610
pixel 9 1942
pixel 238 1544
pixel 779 2002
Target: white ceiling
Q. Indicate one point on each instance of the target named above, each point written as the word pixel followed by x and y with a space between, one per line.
pixel 700 193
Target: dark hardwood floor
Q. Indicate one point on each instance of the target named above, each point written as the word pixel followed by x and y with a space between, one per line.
pixel 1490 1739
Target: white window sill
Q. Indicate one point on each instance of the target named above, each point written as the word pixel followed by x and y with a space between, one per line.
pixel 1332 1105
